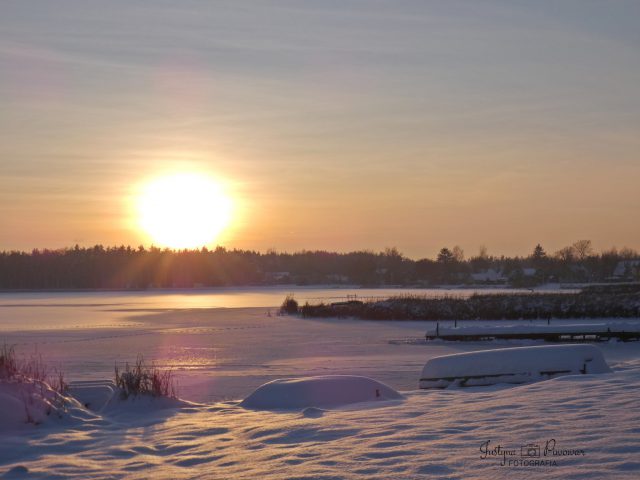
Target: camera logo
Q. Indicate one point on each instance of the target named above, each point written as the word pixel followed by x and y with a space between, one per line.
pixel 530 450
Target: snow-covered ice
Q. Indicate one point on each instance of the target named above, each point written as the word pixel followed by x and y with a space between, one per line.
pixel 432 434
pixel 221 355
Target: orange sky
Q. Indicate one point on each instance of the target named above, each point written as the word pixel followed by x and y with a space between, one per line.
pixel 333 126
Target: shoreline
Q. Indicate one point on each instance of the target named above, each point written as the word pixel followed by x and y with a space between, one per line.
pixel 544 287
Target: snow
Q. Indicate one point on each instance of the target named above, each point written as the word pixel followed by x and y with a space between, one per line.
pixel 526 327
pixel 432 434
pixel 328 391
pixel 220 356
pixel 512 365
pixel 27 402
pixel 103 396
pixel 93 394
pixel 10 406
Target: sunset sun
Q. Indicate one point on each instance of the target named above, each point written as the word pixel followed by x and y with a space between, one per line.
pixel 183 210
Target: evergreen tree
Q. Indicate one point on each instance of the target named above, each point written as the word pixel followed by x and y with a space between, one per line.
pixel 445 256
pixel 538 253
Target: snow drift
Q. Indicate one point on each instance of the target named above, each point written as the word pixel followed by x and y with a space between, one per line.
pixel 27 401
pixel 93 394
pixel 104 397
pixel 34 402
pixel 512 365
pixel 329 391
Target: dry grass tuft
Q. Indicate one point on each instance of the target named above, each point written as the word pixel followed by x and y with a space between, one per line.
pixel 40 390
pixel 142 379
pixel 32 369
pixel 289 306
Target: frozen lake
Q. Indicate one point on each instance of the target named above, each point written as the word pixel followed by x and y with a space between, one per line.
pixel 52 310
pixel 224 343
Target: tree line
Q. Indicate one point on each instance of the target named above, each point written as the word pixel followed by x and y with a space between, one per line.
pixel 125 267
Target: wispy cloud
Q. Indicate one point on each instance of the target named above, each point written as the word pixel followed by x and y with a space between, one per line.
pixel 416 115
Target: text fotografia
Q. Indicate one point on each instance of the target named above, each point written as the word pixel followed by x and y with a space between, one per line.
pixel 544 454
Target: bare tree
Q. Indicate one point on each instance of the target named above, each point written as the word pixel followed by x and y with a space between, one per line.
pixel 458 253
pixel 565 254
pixel 582 249
pixel 628 253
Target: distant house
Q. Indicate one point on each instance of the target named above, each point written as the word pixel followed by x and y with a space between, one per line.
pixel 627 269
pixel 489 276
pixel 277 277
pixel 524 277
pixel 337 278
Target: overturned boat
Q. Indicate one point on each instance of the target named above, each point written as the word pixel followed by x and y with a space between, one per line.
pixel 512 365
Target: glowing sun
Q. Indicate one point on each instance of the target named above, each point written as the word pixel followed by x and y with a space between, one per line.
pixel 183 210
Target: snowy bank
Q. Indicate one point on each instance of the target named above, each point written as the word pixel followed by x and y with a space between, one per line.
pixel 27 401
pixel 511 306
pixel 512 365
pixel 34 402
pixel 329 391
pixel 93 394
pixel 102 396
pixel 435 434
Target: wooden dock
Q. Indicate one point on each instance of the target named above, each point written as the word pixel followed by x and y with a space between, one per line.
pixel 604 336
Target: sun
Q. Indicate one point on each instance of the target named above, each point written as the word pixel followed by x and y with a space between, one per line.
pixel 183 210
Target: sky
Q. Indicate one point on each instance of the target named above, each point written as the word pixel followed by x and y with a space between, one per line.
pixel 334 125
